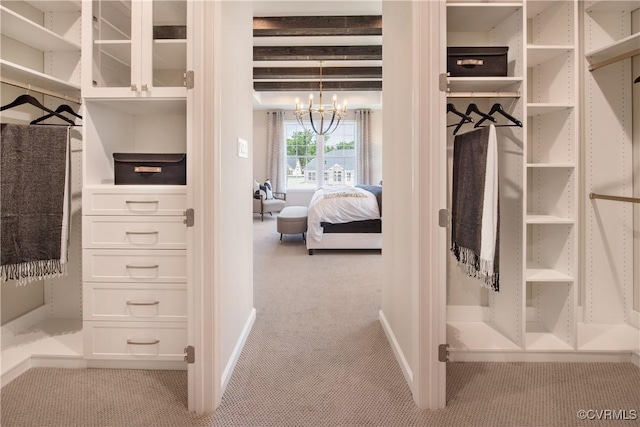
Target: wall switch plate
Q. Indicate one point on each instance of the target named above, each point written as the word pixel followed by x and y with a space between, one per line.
pixel 243 148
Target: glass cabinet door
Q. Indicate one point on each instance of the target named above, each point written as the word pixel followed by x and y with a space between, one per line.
pixel 113 37
pixel 168 63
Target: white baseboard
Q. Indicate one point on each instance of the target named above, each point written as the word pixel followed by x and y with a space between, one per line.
pixel 581 356
pixel 402 361
pixel 635 359
pixel 235 355
pixel 165 365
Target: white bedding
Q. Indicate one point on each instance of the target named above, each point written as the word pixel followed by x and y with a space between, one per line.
pixel 339 204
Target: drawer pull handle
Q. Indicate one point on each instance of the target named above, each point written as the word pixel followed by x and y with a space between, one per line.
pixel 143 303
pixel 147 169
pixel 141 201
pixel 153 342
pixel 142 266
pixel 141 232
pixel 470 62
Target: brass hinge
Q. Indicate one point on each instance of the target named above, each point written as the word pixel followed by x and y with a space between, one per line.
pixel 189 80
pixel 189 354
pixel 190 217
pixel 443 353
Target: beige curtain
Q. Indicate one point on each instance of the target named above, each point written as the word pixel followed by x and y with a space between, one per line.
pixel 275 151
pixel 364 149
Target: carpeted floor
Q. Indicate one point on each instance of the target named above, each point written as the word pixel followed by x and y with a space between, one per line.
pixel 317 356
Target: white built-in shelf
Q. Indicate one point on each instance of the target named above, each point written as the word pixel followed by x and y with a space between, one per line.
pixel 112 31
pixel 537 7
pixel 615 51
pixel 541 108
pixel 552 165
pixel 36 78
pixel 28 32
pixel 477 336
pixel 153 106
pixel 538 339
pixel 478 17
pixel 613 6
pixel 484 84
pixel 119 50
pixel 546 275
pixel 170 54
pixel 538 54
pixel 56 5
pixel 618 336
pixel 548 219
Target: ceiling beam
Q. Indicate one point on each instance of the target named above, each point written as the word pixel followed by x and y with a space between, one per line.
pixel 315 86
pixel 369 25
pixel 267 73
pixel 318 53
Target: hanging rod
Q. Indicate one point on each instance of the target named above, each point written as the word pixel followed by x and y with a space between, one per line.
pixel 483 94
pixel 615 198
pixel 39 90
pixel 614 59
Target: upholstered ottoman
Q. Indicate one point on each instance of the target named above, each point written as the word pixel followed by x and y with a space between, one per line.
pixel 293 220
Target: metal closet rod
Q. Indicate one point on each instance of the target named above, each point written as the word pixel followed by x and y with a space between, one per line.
pixel 483 95
pixel 39 90
pixel 614 198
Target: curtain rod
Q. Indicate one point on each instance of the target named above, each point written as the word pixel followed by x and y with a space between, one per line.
pixel 39 90
pixel 483 94
pixel 614 198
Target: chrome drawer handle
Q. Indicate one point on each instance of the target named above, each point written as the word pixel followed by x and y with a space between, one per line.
pixel 141 232
pixel 141 201
pixel 143 342
pixel 143 266
pixel 143 303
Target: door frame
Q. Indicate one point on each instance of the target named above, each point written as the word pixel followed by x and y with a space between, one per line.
pixel 430 172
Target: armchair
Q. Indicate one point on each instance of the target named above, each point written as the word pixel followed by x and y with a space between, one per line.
pixel 262 205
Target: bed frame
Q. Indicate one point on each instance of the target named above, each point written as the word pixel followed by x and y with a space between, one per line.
pixel 346 241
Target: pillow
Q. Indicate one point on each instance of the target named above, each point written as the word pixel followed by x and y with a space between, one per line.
pixel 268 189
pixel 256 186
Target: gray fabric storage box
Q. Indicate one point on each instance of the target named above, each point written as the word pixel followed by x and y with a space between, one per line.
pixel 150 169
pixel 477 61
pixel 169 31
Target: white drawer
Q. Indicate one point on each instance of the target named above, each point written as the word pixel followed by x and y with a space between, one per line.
pixel 135 301
pixel 111 265
pixel 140 232
pixel 134 200
pixel 134 340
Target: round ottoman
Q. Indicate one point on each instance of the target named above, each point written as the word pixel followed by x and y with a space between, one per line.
pixel 292 220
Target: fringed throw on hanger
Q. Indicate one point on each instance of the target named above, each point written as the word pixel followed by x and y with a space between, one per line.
pixel 475 205
pixel 34 202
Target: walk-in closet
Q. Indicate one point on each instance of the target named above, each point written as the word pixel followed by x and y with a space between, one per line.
pixel 568 289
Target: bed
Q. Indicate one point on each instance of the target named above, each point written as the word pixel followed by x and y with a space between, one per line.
pixel 344 217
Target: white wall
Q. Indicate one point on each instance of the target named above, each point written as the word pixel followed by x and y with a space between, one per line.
pixel 236 232
pixel 397 173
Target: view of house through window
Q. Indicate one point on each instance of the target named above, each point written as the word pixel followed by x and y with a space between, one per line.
pixel 339 165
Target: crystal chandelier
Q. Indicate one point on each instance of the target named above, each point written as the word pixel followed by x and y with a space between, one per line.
pixel 323 119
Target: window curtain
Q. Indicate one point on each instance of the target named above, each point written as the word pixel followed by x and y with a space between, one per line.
pixel 364 149
pixel 275 151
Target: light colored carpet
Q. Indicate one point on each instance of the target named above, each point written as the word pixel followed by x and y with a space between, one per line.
pixel 317 356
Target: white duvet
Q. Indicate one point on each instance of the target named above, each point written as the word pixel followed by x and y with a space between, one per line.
pixel 340 204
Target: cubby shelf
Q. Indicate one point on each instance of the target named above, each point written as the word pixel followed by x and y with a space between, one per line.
pixel 539 109
pixel 483 84
pixel 476 17
pixel 477 336
pixel 548 219
pixel 612 6
pixel 546 275
pixel 608 337
pixel 552 165
pixel 619 50
pixel 28 32
pixel 537 339
pixel 537 54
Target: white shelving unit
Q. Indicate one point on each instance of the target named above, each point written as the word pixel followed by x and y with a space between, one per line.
pixel 41 55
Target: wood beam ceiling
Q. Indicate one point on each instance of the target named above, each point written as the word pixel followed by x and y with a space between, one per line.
pixel 304 78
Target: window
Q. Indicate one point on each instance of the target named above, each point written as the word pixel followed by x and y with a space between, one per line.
pixel 339 156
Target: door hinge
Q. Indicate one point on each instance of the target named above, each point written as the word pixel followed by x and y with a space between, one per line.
pixel 443 218
pixel 190 217
pixel 189 354
pixel 443 353
pixel 189 80
pixel 444 82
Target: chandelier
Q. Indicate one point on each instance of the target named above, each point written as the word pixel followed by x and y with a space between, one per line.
pixel 323 119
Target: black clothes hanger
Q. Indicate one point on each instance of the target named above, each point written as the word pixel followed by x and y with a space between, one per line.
pixel 64 108
pixel 497 108
pixel 464 118
pixel 473 108
pixel 28 99
pixel 637 80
